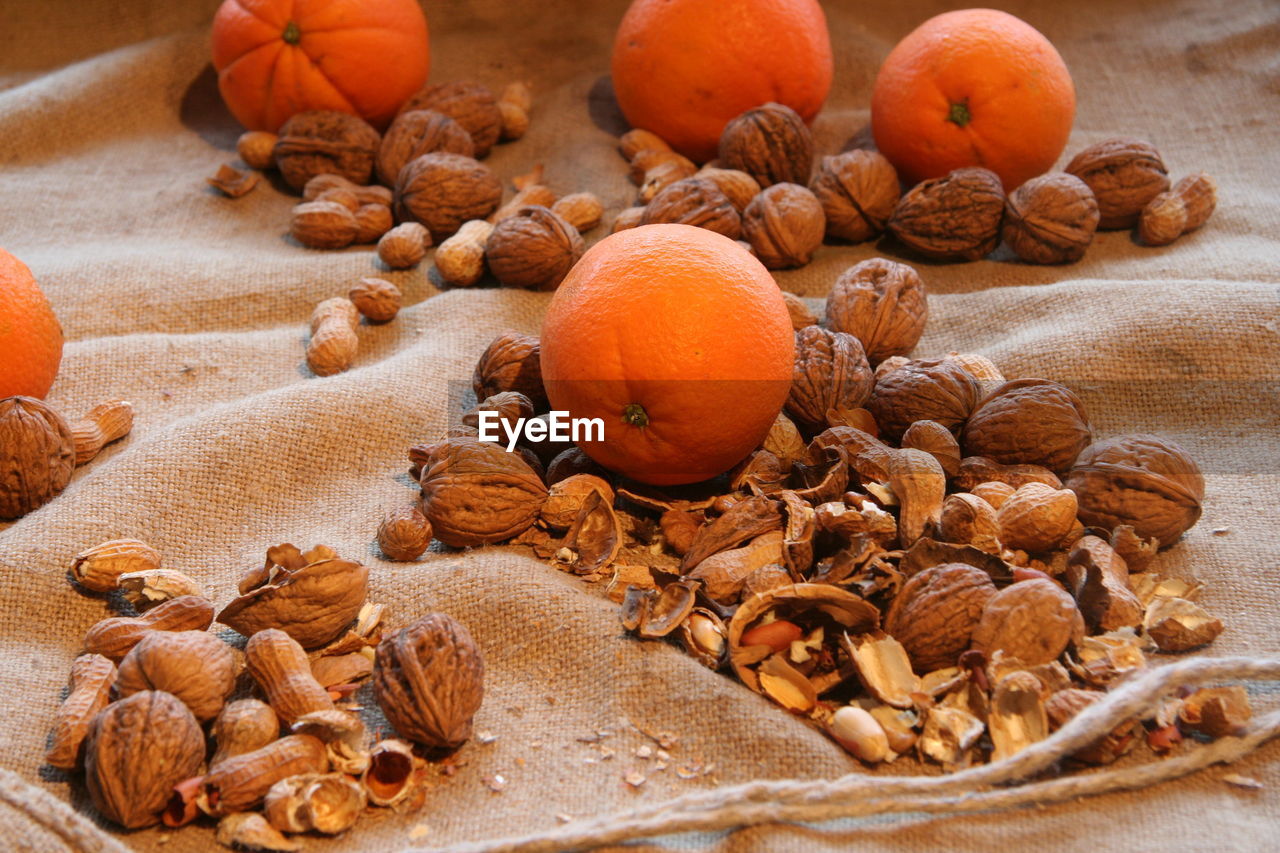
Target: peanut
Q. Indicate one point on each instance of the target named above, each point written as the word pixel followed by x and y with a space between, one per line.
pixel 581 210
pixel 460 258
pixel 99 568
pixel 527 195
pixel 634 141
pixel 91 680
pixel 280 666
pixel 513 104
pixel 257 149
pixel 333 336
pixel 102 425
pixel 1181 209
pixel 857 731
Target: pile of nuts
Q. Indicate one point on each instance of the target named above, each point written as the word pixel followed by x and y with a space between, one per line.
pixel 922 555
pixel 151 690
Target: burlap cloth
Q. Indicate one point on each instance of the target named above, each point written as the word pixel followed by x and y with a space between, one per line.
pixel 194 307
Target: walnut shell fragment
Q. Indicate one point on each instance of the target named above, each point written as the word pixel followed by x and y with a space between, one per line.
pixel 323 142
pixel 595 536
pixel 956 217
pixel 312 604
pixel 1178 625
pixel 882 304
pixel 858 191
pixel 475 493
pixel 883 667
pixel 442 191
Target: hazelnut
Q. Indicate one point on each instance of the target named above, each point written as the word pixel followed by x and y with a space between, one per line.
pixel 1051 219
pixel 694 201
pixel 771 143
pixel 324 141
pixel 858 191
pixel 956 217
pixel 470 104
pixel 419 132
pixel 882 304
pixel 323 225
pixel 784 225
pixel 37 455
pixel 1029 421
pixel 1125 175
pixel 442 191
pixel 404 246
pixel 534 249
pixel 831 372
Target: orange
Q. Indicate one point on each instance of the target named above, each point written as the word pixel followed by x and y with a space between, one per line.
pixel 683 68
pixel 975 87
pixel 679 341
pixel 275 58
pixel 30 337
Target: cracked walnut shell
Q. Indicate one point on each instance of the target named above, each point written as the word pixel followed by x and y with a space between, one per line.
pixel 419 132
pixel 694 201
pixel 831 372
pixel 882 303
pixel 325 142
pixel 956 217
pixel 1125 175
pixel 784 225
pixel 1051 219
pixel 443 190
pixel 1029 421
pixel 771 143
pixel 858 191
pixel 533 249
pixel 312 604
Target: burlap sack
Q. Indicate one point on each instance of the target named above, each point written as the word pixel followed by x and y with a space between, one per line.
pixel 194 307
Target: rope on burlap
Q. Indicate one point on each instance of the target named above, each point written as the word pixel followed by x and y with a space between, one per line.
pixel 859 795
pixel 27 812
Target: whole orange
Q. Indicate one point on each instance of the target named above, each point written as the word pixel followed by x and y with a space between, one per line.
pixel 679 341
pixel 975 87
pixel 30 337
pixel 275 58
pixel 683 68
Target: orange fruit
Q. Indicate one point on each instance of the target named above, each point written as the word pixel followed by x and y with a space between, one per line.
pixel 683 68
pixel 30 337
pixel 975 87
pixel 275 58
pixel 679 341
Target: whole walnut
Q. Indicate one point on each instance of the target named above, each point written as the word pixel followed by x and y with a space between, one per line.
pixel 195 666
pixel 419 132
pixel 1032 620
pixel 322 142
pixel 1051 219
pixel 511 362
pixel 1144 481
pixel 534 249
pixel 881 303
pixel 1124 175
pixel 443 190
pixel 771 143
pixel 858 191
pixel 1031 421
pixel 734 183
pixel 831 372
pixel 923 390
pixel 428 678
pixel 37 455
pixel 694 201
pixel 470 104
pixel 784 225
pixel 475 492
pixel 956 217
pixel 935 612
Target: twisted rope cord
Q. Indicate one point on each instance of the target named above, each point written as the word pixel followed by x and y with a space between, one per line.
pixel 857 794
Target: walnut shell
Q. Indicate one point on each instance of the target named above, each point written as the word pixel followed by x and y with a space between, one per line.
pixel 1124 174
pixel 1032 620
pixel 419 132
pixel 858 191
pixel 312 604
pixel 322 142
pixel 428 679
pixel 1036 517
pixel 443 190
pixel 470 104
pixel 771 143
pixel 923 390
pixel 881 303
pixel 784 225
pixel 831 372
pixel 956 217
pixel 567 495
pixel 1029 421
pixel 195 666
pixel 1144 481
pixel 511 362
pixel 476 493
pixel 936 611
pixel 534 249
pixel 734 183
pixel 404 533
pixel 37 455
pixel 694 201
pixel 1051 219
pixel 136 751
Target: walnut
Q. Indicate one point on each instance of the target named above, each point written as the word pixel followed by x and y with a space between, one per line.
pixel 801 315
pixel 831 372
pixel 1036 517
pixel 534 249
pixel 372 221
pixel 882 304
pixel 470 104
pixel 923 390
pixel 323 225
pixel 511 362
pixel 1033 620
pixel 694 201
pixel 1029 421
pixel 476 493
pixel 734 183
pixel 771 143
pixel 934 614
pixel 858 191
pixel 442 191
pixel 1124 174
pixel 404 533
pixel 956 217
pixel 377 299
pixel 428 679
pixel 1051 219
pixel 194 666
pixel 784 225
pixel 404 246
pixel 37 455
pixel 324 141
pixel 1144 481
pixel 419 132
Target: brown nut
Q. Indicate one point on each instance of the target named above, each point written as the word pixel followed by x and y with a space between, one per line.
pixel 922 390
pixel 1032 620
pixel 323 225
pixel 566 497
pixel 376 298
pixel 993 492
pixel 1125 175
pixel 428 679
pixel 419 132
pixel 581 210
pixel 968 519
pixel 280 667
pixel 636 140
pixel 372 221
pixel 99 568
pixel 784 225
pixel 470 104
pixel 114 637
pixel 801 315
pixel 333 343
pixel 1029 421
pixel 325 142
pixel 257 149
pixel 195 666
pixel 858 191
pixel 956 217
pixel 511 362
pixel 771 143
pixel 831 372
pixel 476 493
pixel 737 185
pixel 442 191
pixel 243 726
pixel 936 440
pixel 1163 220
pixel 404 533
pixel 525 196
pixel 37 455
pixel 100 426
pixel 881 303
pixel 627 218
pixel 978 470
pixel 91 680
pixel 936 612
pixel 534 249
pixel 404 246
pixel 241 782
pixel 1199 194
pixel 1144 481
pixel 1051 219
pixel 313 604
pixel 694 201
pixel 1036 517
pixel 460 259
